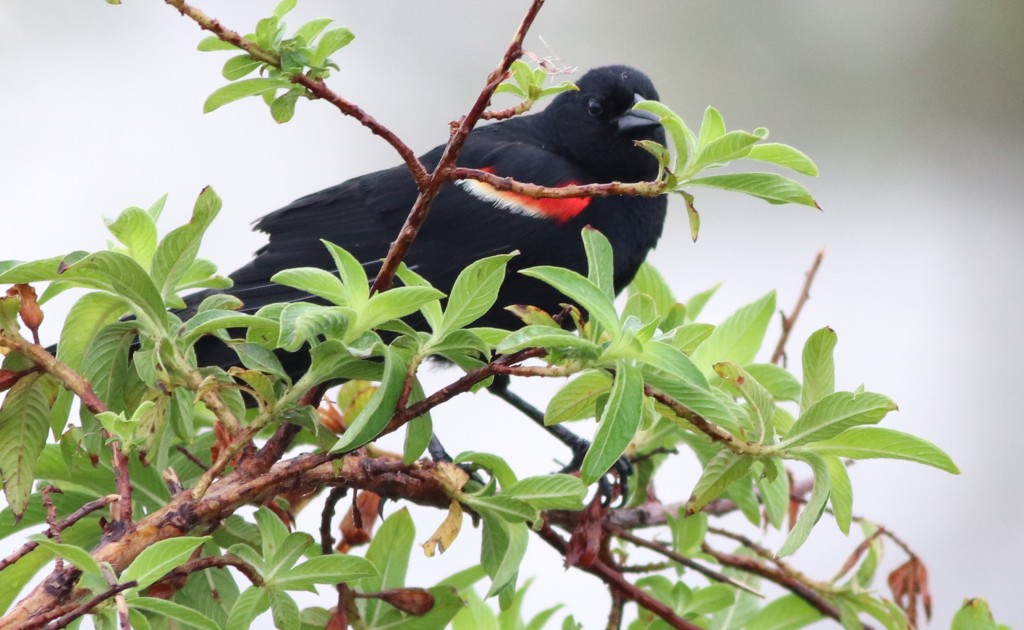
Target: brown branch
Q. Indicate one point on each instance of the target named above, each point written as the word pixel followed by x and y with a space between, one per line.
pixel 316 87
pixel 610 189
pixel 779 576
pixel 65 620
pixel 215 562
pixel 59 526
pixel 389 477
pixel 327 517
pixel 790 321
pixel 510 112
pixel 683 560
pixel 419 211
pixel 460 386
pixel 615 580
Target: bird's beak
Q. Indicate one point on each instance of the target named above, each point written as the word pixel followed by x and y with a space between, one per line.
pixel 635 120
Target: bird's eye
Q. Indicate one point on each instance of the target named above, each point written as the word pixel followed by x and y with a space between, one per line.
pixel 594 107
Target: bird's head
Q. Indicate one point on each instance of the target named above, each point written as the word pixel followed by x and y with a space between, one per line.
pixel 597 125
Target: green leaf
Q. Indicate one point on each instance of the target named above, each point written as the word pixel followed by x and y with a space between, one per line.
pixel 120 275
pixel 713 407
pixel 814 507
pixel 389 552
pixel 136 229
pixel 90 314
pixel 174 612
pixel 774 488
pixel 272 532
pixel 239 66
pixel 378 411
pixel 836 413
pixel 352 274
pixel 696 304
pixel 282 109
pixel 760 404
pixel 879 442
pixel 332 569
pixel 576 399
pixel 784 155
pixel 818 367
pixel 160 558
pixel 394 304
pixel 285 611
pixel 712 127
pixel 549 492
pixel 682 138
pixel 72 553
pixel 177 251
pixel 974 615
pixel 723 469
pixel 212 320
pixel 239 90
pixel 315 281
pixel 212 43
pixel 739 337
pixel 474 293
pixel 730 146
pixel 496 466
pixel 253 602
pixel 841 493
pixel 284 7
pixel 619 422
pixel 582 291
pixel 105 364
pixel 24 425
pixel 779 382
pixel 431 310
pixel 502 507
pixel 550 338
pixel 502 549
pixel 331 42
pixel 648 281
pixel 771 187
pixel 308 31
pixel 600 265
pixel 671 360
pixel 789 612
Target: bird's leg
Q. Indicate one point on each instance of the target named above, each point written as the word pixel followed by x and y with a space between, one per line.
pixel 579 446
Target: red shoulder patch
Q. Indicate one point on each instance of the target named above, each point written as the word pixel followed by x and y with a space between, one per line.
pixel 559 210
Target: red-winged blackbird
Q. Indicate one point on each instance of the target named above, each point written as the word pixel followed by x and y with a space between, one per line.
pixel 582 137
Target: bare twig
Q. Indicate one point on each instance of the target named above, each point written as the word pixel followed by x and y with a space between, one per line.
pixel 683 560
pixel 214 562
pixel 419 211
pixel 610 189
pixel 789 321
pixel 59 526
pixel 327 517
pixel 777 575
pixel 614 579
pixel 65 620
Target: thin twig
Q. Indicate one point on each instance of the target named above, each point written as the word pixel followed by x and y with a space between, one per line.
pixel 683 560
pixel 609 189
pixel 216 562
pixel 614 579
pixel 779 576
pixel 790 321
pixel 327 518
pixel 439 176
pixel 60 526
pixel 65 620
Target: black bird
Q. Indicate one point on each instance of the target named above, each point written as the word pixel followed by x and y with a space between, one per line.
pixel 582 137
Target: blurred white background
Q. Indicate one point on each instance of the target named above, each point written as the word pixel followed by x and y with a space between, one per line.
pixel 913 111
